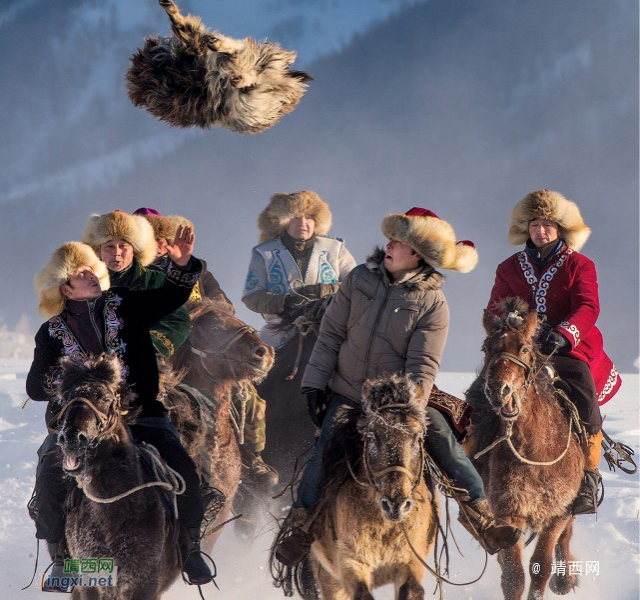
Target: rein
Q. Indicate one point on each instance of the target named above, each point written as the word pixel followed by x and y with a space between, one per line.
pixel 110 421
pixel 530 378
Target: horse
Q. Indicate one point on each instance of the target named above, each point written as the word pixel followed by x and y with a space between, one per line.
pixel 522 442
pixel 377 518
pixel 120 508
pixel 202 78
pixel 290 431
pixel 220 353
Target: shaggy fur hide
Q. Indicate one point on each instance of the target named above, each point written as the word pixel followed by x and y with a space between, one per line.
pixel 200 78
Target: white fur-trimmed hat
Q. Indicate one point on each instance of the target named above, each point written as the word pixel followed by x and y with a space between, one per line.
pixel 134 229
pixel 274 219
pixel 164 226
pixel 64 262
pixel 552 206
pixel 432 238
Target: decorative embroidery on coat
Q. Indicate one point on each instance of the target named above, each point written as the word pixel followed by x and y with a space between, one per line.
pixel 112 326
pixel 540 288
pixel 58 329
pixel 252 281
pixel 326 273
pixel 179 277
pixel 572 330
pixel 277 281
pixel 609 385
pixel 165 341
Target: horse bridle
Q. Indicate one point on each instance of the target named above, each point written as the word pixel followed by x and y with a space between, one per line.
pixel 375 476
pixel 107 422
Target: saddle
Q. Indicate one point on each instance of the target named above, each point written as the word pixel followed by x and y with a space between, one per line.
pixel 456 409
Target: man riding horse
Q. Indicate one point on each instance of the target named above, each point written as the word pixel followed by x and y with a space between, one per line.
pixel 295 261
pixel 390 315
pixel 87 318
pixel 561 285
pixel 251 408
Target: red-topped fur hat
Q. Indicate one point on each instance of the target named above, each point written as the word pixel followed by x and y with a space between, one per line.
pixel 551 206
pixel 432 238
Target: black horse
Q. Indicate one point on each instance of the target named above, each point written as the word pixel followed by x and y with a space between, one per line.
pixel 118 508
pixel 290 431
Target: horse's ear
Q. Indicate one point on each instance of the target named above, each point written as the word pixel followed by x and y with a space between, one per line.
pixel 366 389
pixel 489 322
pixel 531 324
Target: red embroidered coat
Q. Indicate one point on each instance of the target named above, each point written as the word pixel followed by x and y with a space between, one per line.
pixel 564 293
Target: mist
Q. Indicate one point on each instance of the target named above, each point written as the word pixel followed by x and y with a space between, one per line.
pixel 460 107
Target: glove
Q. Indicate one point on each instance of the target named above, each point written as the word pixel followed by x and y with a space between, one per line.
pixel 317 404
pixel 553 342
pixel 292 302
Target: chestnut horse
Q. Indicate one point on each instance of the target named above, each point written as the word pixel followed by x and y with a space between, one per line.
pixel 220 353
pixel 377 519
pixel 523 445
pixel 120 509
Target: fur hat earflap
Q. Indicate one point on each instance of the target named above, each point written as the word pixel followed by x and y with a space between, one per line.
pixel 64 262
pixel 274 219
pixel 552 206
pixel 432 238
pixel 134 229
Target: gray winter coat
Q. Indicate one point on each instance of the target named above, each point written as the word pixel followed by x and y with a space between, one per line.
pixel 376 326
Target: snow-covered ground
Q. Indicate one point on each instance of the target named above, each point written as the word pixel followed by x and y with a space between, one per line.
pixel 611 541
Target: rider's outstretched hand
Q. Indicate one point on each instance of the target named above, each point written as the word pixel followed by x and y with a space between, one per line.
pixel 182 248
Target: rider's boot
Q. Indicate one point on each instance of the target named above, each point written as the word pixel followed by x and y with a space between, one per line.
pixel 295 541
pixel 56 573
pixel 586 502
pixel 194 567
pixel 263 476
pixel 493 534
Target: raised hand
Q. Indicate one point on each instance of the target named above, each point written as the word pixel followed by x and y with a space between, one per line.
pixel 182 248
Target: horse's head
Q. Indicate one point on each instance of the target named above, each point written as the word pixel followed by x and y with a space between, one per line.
pixel 392 426
pixel 509 355
pixel 89 397
pixel 223 346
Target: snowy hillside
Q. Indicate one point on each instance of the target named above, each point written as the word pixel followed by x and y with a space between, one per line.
pixel 611 540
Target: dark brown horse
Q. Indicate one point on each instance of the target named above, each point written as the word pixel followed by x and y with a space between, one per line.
pixel 525 449
pixel 376 504
pixel 220 353
pixel 120 508
pixel 290 431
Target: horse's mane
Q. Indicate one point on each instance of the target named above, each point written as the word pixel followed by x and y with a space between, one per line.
pixel 344 449
pixel 210 305
pixel 82 377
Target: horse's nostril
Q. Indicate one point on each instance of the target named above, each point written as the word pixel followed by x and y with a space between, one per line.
pixel 260 351
pixel 407 505
pixel 82 438
pixel 61 438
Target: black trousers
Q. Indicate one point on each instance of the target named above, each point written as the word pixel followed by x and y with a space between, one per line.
pixel 52 485
pixel 582 392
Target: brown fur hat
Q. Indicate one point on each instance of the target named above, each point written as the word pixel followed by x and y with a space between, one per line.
pixel 552 206
pixel 64 262
pixel 274 219
pixel 167 226
pixel 431 238
pixel 134 229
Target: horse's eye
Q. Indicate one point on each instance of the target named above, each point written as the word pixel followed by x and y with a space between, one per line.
pixel 525 350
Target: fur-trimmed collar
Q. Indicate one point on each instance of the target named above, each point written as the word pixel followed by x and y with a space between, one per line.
pixel 426 277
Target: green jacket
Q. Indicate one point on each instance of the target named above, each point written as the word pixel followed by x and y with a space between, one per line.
pixel 169 333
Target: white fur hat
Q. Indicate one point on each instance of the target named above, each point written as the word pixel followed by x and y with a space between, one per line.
pixel 432 238
pixel 134 229
pixel 274 219
pixel 552 206
pixel 64 262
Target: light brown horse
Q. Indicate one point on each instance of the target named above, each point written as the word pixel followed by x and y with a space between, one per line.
pixel 376 505
pixel 220 353
pixel 523 444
